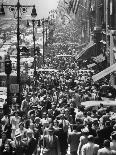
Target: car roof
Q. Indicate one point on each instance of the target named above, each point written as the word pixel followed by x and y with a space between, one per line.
pixel 97 103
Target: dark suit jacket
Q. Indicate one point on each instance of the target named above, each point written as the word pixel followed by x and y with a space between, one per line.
pixel 18 149
pixel 73 140
pixel 62 136
pixel 31 146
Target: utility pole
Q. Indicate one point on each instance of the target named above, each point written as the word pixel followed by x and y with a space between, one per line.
pixel 43 44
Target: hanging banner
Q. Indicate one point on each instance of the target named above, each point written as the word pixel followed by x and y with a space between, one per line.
pixel 104 72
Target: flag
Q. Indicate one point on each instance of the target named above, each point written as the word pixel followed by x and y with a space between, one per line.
pixel 75 6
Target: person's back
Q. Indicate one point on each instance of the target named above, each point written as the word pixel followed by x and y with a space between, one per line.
pixel 106 150
pixel 83 140
pixel 90 148
pixel 62 136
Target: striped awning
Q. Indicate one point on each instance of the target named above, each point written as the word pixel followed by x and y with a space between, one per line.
pixel 89 46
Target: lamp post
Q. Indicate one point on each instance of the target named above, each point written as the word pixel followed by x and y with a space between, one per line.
pixel 33 22
pixel 44 24
pixel 8 69
pixel 17 10
pixel 43 44
pixel 34 46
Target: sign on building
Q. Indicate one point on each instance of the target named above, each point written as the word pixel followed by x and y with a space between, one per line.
pixel 14 88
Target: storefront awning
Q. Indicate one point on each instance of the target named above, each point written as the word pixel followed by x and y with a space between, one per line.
pixel 84 52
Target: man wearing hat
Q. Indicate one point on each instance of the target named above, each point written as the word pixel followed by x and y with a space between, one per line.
pixel 31 143
pixel 50 143
pixel 18 145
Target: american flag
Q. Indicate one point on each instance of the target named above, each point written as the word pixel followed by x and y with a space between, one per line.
pixel 72 5
pixel 75 4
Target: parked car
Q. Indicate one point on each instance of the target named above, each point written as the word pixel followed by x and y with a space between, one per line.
pixel 95 104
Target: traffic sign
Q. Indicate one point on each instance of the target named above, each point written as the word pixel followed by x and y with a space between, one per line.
pixel 14 88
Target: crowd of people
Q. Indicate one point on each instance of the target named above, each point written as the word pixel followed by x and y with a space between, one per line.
pixel 51 119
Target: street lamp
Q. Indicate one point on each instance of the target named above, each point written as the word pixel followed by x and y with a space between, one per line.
pixel 34 48
pixel 44 24
pixel 17 10
pixel 8 70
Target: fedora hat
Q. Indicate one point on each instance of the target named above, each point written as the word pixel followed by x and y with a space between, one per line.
pixel 18 135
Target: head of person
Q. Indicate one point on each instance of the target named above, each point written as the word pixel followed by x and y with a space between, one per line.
pixel 107 123
pixel 53 107
pixel 4 136
pixel 51 131
pixel 31 126
pixel 37 120
pixel 16 114
pixel 44 115
pixel 85 132
pixel 21 126
pixel 7 147
pixel 90 138
pixel 50 112
pixel 113 136
pixel 75 127
pixel 55 122
pixel 32 116
pixel 107 143
pixel 18 136
pixel 29 133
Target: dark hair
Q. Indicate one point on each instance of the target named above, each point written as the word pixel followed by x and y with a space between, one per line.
pixel 60 125
pixel 90 138
pixel 74 127
pixel 106 143
pixel 113 135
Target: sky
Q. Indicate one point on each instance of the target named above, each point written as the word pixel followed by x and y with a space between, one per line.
pixel 43 6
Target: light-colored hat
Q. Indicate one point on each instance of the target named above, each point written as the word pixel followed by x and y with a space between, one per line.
pixel 18 134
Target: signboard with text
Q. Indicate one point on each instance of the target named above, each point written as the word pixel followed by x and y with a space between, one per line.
pixel 14 88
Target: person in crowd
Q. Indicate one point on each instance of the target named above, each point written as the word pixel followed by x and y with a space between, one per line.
pixel 62 136
pixel 7 150
pixel 90 148
pixel 8 129
pixel 50 143
pixel 22 130
pixel 18 145
pixel 73 139
pixel 4 121
pixel 31 143
pixel 65 123
pixel 113 141
pixel 15 120
pixel 83 140
pixel 106 149
pixel 25 105
pixel 4 140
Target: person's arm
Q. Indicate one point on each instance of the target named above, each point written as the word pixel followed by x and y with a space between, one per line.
pixel 58 147
pixel 69 138
pixel 83 151
pixel 79 146
pixel 98 153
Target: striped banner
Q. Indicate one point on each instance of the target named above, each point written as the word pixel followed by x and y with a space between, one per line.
pixel 75 6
